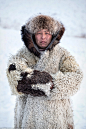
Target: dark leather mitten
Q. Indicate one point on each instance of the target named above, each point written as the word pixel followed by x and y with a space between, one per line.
pixel 37 77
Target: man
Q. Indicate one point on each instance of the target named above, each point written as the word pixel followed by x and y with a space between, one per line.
pixel 43 38
pixel 43 75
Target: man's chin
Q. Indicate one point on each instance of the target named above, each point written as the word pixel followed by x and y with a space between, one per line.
pixel 42 47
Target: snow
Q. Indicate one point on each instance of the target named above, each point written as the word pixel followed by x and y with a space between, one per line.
pixel 15 13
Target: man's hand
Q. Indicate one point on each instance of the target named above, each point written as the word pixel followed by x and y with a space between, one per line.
pixel 36 77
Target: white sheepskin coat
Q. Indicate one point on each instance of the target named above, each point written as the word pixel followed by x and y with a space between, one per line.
pixel 54 110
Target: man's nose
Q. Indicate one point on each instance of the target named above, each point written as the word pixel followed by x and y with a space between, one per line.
pixel 43 36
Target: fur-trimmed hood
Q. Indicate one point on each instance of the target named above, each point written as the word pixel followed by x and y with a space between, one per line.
pixel 37 23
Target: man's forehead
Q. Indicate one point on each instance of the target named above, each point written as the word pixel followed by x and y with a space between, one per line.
pixel 43 30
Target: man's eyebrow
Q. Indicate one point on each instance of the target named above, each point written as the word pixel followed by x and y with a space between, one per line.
pixel 46 31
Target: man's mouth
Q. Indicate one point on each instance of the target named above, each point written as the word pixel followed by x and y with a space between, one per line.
pixel 43 42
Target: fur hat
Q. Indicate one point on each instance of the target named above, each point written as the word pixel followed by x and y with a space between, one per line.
pixel 43 22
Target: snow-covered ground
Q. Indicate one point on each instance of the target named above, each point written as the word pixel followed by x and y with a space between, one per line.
pixel 13 14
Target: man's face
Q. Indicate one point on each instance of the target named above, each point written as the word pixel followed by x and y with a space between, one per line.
pixel 43 38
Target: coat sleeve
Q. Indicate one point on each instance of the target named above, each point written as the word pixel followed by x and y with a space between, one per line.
pixel 67 80
pixel 16 65
pixel 25 80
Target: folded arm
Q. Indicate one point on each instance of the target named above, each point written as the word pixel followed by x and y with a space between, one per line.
pixel 15 66
pixel 24 80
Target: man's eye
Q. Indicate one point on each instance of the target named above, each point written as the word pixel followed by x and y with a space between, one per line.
pixel 46 33
pixel 38 33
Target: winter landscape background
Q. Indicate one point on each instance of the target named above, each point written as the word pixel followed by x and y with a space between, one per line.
pixel 15 13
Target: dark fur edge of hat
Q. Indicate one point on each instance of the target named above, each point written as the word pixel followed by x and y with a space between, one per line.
pixel 61 32
pixel 26 38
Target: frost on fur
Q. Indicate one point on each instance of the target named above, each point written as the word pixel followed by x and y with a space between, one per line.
pixel 43 87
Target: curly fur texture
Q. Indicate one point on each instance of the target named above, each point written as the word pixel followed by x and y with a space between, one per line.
pixel 67 77
pixel 52 110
